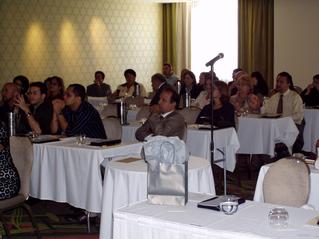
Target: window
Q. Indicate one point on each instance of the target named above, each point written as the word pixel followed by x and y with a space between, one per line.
pixel 214 31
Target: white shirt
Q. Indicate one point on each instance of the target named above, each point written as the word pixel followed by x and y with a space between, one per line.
pixel 292 105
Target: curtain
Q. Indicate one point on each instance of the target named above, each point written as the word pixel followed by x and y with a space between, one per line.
pixel 177 35
pixel 256 37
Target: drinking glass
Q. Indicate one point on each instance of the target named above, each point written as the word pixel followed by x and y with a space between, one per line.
pixel 278 217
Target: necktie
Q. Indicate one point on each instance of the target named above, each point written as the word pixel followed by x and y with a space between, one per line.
pixel 280 105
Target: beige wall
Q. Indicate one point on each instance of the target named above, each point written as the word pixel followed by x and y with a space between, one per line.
pixel 74 38
pixel 296 41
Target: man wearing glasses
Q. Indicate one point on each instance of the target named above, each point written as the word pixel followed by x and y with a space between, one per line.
pixel 38 113
pixel 75 116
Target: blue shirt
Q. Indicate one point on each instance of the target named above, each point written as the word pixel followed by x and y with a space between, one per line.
pixel 85 120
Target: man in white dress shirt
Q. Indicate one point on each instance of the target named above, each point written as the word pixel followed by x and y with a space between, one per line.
pixel 287 102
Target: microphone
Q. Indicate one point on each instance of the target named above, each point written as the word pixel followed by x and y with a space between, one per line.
pixel 212 61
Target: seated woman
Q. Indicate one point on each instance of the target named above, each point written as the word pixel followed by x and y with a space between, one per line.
pixel 9 177
pixel 204 96
pixel 244 100
pixel 55 86
pixel 189 86
pixel 260 85
pixel 223 114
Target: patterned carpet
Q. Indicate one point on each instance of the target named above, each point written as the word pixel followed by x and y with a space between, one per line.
pixel 54 218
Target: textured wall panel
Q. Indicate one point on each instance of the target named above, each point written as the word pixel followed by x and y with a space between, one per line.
pixel 74 38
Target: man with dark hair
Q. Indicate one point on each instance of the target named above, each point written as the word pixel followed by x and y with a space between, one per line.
pixel 75 116
pixel 168 72
pixel 158 85
pixel 130 87
pixel 39 112
pixel 98 88
pixel 287 102
pixel 168 123
pixel 310 95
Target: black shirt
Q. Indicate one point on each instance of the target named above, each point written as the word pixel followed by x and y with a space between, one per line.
pixel 223 117
pixel 43 115
pixel 86 120
pixel 312 99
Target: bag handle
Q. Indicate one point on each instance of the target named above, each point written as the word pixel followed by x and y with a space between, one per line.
pixel 170 145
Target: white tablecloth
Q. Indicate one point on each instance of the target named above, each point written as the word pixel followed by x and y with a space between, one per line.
pixel 198 143
pixel 311 131
pixel 126 183
pixel 259 135
pixel 66 172
pixel 314 189
pixel 146 221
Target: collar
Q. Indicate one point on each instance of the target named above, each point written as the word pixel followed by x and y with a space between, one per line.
pixel 166 114
pixel 285 93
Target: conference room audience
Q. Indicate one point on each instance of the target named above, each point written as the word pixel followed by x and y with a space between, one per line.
pixel 99 88
pixel 158 84
pixel 74 116
pixel 168 122
pixel 55 86
pixel 287 102
pixel 260 85
pixel 223 114
pixel 204 96
pixel 9 176
pixel 39 112
pixel 168 72
pixel 310 95
pixel 244 100
pixel 129 88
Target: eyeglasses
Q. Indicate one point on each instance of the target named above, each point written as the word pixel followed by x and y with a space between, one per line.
pixel 34 92
pixel 68 94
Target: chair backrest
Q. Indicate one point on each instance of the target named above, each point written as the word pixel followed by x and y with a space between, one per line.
pixel 21 150
pixel 287 182
pixel 143 113
pixel 113 128
pixel 190 114
pixel 110 110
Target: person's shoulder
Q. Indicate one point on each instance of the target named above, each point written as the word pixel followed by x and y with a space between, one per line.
pixel 90 86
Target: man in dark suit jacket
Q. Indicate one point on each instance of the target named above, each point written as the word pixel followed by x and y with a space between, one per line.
pixel 98 88
pixel 158 84
pixel 168 122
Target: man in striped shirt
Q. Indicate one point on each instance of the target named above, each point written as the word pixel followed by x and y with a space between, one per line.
pixel 75 116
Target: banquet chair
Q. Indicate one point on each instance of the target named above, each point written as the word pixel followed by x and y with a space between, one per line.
pixel 110 110
pixel 22 156
pixel 287 182
pixel 143 113
pixel 113 128
pixel 190 114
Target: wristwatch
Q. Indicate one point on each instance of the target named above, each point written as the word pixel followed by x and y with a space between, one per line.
pixel 29 114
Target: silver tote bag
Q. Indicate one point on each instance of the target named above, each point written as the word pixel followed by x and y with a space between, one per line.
pixel 167 171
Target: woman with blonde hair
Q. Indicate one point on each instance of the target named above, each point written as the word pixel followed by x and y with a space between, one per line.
pixel 244 100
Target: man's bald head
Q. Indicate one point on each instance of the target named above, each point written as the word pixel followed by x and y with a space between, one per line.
pixel 9 92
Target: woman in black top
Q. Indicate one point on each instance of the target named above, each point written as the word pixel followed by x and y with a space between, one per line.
pixel 189 86
pixel 9 177
pixel 224 115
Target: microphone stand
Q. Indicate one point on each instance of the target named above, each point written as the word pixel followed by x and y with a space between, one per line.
pixel 212 157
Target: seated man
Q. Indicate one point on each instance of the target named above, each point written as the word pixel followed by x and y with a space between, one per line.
pixel 158 85
pixel 98 88
pixel 130 88
pixel 310 95
pixel 288 103
pixel 168 72
pixel 10 92
pixel 38 112
pixel 74 116
pixel 168 123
